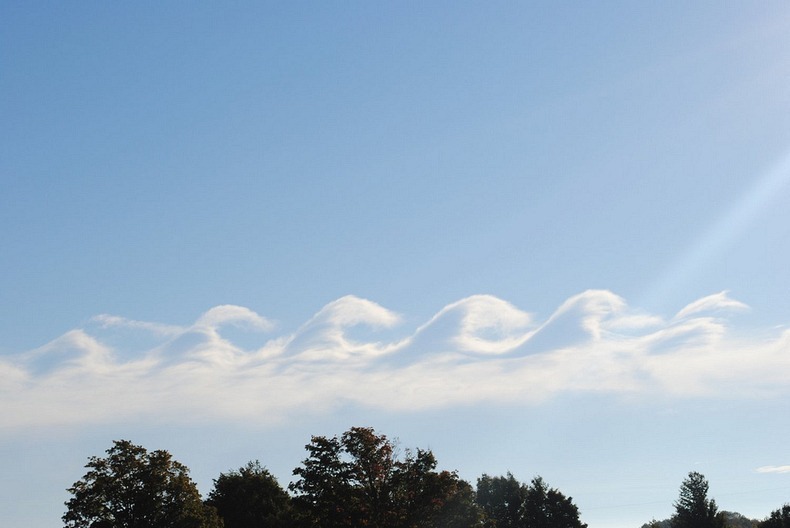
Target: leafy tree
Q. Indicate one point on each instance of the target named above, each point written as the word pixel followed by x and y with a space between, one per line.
pixel 546 507
pixel 132 488
pixel 428 498
pixel 502 500
pixel 250 497
pixel 507 503
pixel 356 480
pixel 778 519
pixel 323 488
pixel 454 505
pixel 737 520
pixel 693 509
pixel 370 470
pixel 729 519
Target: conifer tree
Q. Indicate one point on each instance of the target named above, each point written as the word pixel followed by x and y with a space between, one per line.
pixel 693 509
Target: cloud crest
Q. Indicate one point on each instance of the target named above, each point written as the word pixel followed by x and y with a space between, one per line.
pixel 478 349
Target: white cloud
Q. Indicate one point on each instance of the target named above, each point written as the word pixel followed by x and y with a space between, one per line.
pixel 351 310
pixel 773 469
pixel 479 349
pixel 325 337
pixel 109 321
pixel 482 324
pixel 228 314
pixel 718 302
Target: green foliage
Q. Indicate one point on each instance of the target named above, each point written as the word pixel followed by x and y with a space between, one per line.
pixel 737 520
pixel 425 498
pixel 132 488
pixel 509 504
pixel 250 498
pixel 729 519
pixel 502 499
pixel 778 519
pixel 693 509
pixel 323 489
pixel 356 480
pixel 548 508
pixel 370 477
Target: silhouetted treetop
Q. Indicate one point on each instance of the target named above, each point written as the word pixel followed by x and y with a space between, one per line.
pixel 132 488
pixel 250 497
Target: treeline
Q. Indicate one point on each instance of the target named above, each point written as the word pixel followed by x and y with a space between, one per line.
pixel 353 480
pixel 694 509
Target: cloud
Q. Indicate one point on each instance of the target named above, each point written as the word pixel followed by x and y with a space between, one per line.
pixel 327 335
pixel 228 314
pixel 711 303
pixel 773 469
pixel 478 349
pixel 114 321
pixel 481 324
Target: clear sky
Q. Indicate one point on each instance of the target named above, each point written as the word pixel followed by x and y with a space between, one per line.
pixel 543 237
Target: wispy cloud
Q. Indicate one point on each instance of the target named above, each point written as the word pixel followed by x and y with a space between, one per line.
pixel 478 349
pixel 773 469
pixel 712 303
pixel 114 321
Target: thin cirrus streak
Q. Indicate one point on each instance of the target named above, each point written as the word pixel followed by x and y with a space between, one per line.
pixel 477 350
pixel 773 469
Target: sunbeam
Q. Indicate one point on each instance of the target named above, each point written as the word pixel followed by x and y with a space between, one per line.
pixel 769 189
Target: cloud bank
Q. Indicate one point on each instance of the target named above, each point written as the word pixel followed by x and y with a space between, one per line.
pixel 477 350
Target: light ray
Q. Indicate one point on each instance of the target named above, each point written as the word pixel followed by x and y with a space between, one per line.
pixel 767 190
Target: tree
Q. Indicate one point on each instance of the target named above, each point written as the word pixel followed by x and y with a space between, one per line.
pixel 737 520
pixel 693 509
pixel 778 519
pixel 250 498
pixel 426 498
pixel 507 503
pixel 502 500
pixel 356 480
pixel 323 488
pixel 729 520
pixel 546 507
pixel 370 470
pixel 132 488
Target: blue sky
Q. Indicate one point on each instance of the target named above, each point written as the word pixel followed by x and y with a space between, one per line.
pixel 549 239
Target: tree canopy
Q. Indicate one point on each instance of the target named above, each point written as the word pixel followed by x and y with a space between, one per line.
pixel 507 503
pixel 132 488
pixel 356 480
pixel 546 507
pixel 250 497
pixel 778 519
pixel 502 500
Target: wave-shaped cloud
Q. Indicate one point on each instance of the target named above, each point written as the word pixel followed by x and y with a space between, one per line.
pixel 479 349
